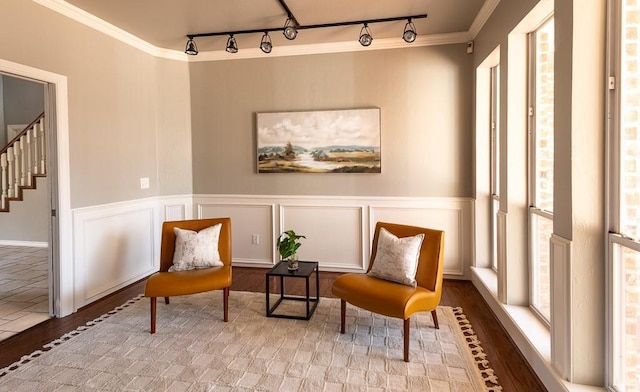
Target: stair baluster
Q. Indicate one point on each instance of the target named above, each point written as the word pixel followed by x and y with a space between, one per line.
pixel 29 159
pixel 36 140
pixel 23 162
pixel 10 163
pixel 43 149
pixel 16 168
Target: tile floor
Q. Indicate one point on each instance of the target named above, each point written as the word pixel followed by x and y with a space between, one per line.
pixel 23 288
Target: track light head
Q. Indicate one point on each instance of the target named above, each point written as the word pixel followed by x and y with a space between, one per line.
pixel 191 48
pixel 365 36
pixel 265 43
pixel 409 35
pixel 290 32
pixel 232 45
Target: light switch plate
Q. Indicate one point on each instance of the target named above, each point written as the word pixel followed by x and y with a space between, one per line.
pixel 144 183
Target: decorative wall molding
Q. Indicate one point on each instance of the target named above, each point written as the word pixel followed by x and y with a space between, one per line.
pixel 117 244
pixel 561 352
pixel 89 20
pixel 114 246
pixel 502 256
pixel 485 12
pixel 339 229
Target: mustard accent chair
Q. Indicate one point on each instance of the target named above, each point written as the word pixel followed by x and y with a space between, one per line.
pixel 394 299
pixel 168 284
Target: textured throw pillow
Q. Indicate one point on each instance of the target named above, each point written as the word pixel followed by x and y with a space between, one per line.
pixel 196 249
pixel 397 258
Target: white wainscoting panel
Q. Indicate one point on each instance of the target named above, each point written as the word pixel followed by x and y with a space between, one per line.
pixel 561 305
pixel 175 208
pixel 334 235
pixel 114 245
pixel 454 217
pixel 247 220
pixel 338 229
pixel 502 256
pixel 117 244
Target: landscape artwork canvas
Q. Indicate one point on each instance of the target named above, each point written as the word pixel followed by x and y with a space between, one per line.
pixel 328 141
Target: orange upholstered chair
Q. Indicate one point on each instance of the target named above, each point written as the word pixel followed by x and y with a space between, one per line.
pixel 395 299
pixel 168 284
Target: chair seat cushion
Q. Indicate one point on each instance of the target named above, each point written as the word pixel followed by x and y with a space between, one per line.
pixel 169 284
pixel 383 296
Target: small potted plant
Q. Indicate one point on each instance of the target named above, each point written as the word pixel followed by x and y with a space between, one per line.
pixel 288 244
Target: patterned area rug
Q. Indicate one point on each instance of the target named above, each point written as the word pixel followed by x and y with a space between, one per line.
pixel 194 350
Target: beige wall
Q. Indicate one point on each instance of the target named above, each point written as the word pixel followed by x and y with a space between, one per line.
pixel 120 119
pixel 29 219
pixel 424 94
pixel 22 102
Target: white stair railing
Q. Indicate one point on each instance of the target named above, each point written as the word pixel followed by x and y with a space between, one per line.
pixel 22 158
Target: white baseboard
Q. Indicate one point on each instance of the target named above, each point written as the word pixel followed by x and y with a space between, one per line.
pixel 33 244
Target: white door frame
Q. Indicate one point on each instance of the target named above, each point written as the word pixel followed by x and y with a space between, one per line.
pixel 62 286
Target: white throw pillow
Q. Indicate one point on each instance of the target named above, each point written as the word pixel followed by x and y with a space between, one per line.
pixel 397 258
pixel 196 249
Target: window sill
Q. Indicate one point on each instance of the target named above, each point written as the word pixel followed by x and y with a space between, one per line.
pixel 531 336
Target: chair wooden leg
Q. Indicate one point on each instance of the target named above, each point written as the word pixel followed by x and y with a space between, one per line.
pixel 407 324
pixel 166 300
pixel 225 294
pixel 153 314
pixel 435 318
pixel 343 314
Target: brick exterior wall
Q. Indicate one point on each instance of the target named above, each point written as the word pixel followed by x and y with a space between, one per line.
pixel 544 125
pixel 630 190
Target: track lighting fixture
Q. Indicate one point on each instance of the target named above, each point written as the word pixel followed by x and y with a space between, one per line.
pixel 291 28
pixel 232 45
pixel 191 48
pixel 290 31
pixel 365 36
pixel 265 44
pixel 409 35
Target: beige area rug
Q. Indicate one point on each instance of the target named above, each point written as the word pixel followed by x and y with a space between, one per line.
pixel 194 350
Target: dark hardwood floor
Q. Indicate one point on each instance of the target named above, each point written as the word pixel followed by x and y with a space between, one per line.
pixel 512 370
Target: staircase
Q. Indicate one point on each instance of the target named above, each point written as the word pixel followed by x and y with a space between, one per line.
pixel 21 161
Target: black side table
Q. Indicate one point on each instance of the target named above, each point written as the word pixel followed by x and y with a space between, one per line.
pixel 305 269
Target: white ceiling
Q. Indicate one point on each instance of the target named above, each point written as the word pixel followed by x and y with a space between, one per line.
pixel 165 23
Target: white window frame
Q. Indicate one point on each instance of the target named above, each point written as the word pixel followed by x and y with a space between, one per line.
pixel 534 211
pixel 494 157
pixel 615 289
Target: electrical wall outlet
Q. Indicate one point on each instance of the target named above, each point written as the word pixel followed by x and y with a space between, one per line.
pixel 144 183
pixel 255 239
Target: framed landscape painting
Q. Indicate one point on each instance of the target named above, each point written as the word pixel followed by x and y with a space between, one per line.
pixel 328 141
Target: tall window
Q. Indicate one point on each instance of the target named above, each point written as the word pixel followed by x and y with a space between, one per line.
pixel 624 240
pixel 494 119
pixel 541 130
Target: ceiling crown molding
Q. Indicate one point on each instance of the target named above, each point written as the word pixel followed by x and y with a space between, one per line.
pixel 485 12
pixel 89 20
pixel 92 21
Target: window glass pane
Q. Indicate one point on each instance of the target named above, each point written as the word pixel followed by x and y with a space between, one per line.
pixel 543 228
pixel 544 79
pixel 630 121
pixel 629 328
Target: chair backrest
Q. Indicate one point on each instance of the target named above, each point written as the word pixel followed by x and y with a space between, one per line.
pixel 168 244
pixel 431 259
